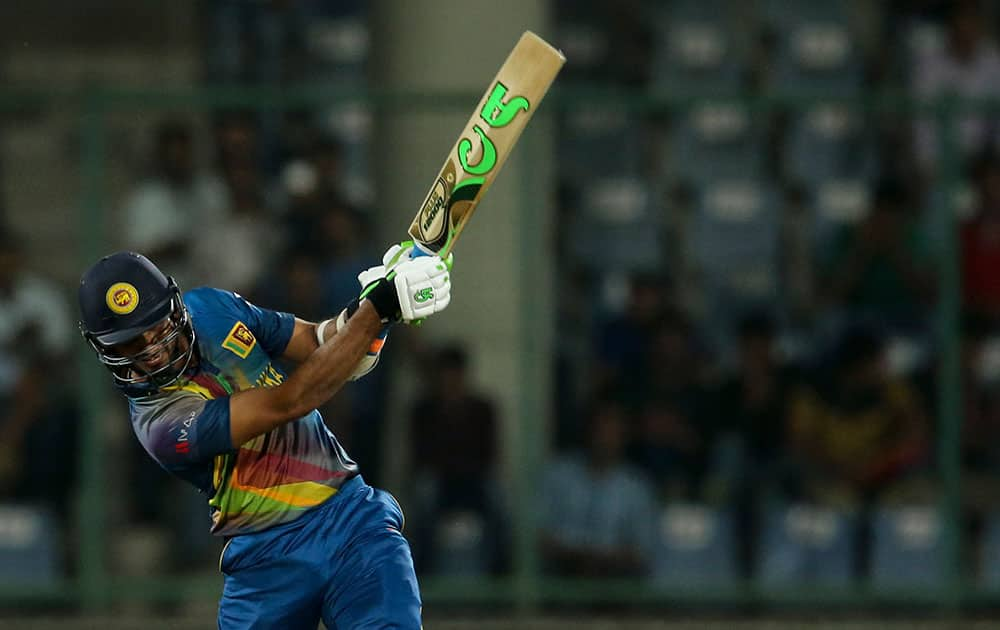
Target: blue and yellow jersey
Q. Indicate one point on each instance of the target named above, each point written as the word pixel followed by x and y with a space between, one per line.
pixel 274 477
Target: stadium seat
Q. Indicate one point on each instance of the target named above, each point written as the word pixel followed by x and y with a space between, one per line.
pixel 695 546
pixel 714 141
pixel 834 205
pixel 29 546
pixel 907 547
pixel 352 124
pixel 828 142
pixel 962 200
pixel 587 44
pixel 802 544
pixel 732 246
pixel 598 142
pixel 700 48
pixel 616 225
pixel 337 40
pixel 786 13
pixel 815 48
pixel 734 238
pixel 989 555
pixel 460 545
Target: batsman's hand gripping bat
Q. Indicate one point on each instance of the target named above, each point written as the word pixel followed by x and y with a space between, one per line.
pixel 485 143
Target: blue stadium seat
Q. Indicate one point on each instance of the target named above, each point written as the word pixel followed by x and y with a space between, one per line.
pixel 834 205
pixel 351 123
pixel 733 247
pixel 828 142
pixel 597 142
pixel 460 545
pixel 734 238
pixel 29 546
pixel 989 555
pixel 907 547
pixel 816 48
pixel 337 40
pixel 617 225
pixel 715 141
pixel 701 47
pixel 803 545
pixel 962 201
pixel 695 546
pixel 782 14
pixel 586 43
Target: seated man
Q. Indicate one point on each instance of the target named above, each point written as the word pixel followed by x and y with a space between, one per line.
pixel 597 513
pixel 858 432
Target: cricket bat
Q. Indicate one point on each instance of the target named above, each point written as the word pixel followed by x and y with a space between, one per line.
pixel 483 146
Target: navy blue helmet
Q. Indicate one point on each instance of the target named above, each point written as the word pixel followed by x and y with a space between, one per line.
pixel 121 297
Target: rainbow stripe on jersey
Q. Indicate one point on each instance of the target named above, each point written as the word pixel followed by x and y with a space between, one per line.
pixel 271 479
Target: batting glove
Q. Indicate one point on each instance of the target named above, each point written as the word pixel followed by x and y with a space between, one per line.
pixel 423 287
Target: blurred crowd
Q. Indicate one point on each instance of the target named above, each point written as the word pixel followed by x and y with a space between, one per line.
pixel 769 337
pixel 761 328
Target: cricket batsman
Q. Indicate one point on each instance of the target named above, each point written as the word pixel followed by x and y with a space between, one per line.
pixel 306 537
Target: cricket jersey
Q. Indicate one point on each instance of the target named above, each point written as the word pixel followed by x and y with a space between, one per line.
pixel 271 479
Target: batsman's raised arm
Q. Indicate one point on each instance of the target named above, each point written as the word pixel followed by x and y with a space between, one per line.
pixel 412 289
pixel 254 412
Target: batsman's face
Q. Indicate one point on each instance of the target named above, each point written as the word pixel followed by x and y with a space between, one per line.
pixel 154 348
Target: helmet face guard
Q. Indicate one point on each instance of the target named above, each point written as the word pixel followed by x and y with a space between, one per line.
pixel 123 297
pixel 128 370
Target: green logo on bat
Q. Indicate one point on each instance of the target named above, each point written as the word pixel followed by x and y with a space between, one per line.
pixel 496 113
pixel 423 295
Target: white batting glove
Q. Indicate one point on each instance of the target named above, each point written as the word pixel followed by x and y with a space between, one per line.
pixel 397 253
pixel 423 287
pixel 371 274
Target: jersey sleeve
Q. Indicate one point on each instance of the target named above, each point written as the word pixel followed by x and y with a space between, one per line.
pixel 181 430
pixel 273 329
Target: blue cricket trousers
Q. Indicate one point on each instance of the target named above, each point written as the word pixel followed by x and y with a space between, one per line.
pixel 344 561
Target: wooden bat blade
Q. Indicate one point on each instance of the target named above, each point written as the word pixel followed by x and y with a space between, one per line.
pixel 487 140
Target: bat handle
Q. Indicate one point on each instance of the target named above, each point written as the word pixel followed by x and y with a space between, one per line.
pixel 419 249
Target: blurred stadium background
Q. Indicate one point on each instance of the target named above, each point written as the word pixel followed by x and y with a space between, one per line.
pixel 733 354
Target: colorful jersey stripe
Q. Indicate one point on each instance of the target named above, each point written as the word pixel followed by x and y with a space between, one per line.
pixel 267 481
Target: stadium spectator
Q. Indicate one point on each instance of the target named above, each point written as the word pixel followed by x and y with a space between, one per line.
pixel 597 512
pixel 454 433
pixel 37 425
pixel 980 239
pixel 344 231
pixel 675 367
pixel 750 405
pixel 670 449
pixel 857 431
pixel 749 460
pixel 173 202
pixel 623 340
pixel 239 247
pixel 879 268
pixel 296 282
pixel 967 65
pixel 981 427
pixel 314 181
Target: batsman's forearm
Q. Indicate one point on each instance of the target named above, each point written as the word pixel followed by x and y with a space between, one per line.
pixel 257 411
pixel 327 369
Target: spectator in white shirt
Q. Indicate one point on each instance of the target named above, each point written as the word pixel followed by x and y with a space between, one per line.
pixel 175 201
pixel 967 65
pixel 597 511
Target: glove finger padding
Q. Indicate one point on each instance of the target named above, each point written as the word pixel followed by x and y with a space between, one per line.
pixel 423 287
pixel 370 275
pixel 396 254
